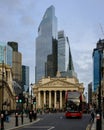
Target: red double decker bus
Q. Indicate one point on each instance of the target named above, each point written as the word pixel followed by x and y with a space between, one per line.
pixel 73 104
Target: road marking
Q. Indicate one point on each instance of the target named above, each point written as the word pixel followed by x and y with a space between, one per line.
pixel 61 117
pixel 41 127
pixel 51 128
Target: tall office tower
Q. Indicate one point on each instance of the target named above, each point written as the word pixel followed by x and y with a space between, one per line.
pixel 97 57
pixel 63 52
pixel 5 54
pixel 16 63
pixel 65 63
pixel 46 46
pixel 90 92
pixel 25 78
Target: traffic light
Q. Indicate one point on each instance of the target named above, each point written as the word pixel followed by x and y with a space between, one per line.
pixel 16 98
pixel 20 98
pixel 34 100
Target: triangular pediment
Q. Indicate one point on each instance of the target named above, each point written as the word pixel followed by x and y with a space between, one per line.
pixel 57 82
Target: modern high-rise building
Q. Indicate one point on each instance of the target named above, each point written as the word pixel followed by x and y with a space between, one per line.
pixel 16 63
pixel 46 46
pixel 5 54
pixel 90 93
pixel 63 52
pixel 97 57
pixel 25 78
pixel 65 63
pixel 14 45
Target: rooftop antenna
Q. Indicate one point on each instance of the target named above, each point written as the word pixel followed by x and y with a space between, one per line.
pixel 101 29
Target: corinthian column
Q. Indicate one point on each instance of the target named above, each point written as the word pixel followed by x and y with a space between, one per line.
pixel 39 105
pixel 44 97
pixel 54 99
pixel 60 99
pixel 50 99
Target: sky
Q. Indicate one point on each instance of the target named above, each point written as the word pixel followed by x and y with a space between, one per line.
pixel 81 20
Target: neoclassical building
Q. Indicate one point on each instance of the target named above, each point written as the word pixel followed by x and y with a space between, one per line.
pixel 7 94
pixel 50 92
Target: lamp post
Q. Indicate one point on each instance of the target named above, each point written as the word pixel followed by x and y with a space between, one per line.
pixel 86 96
pixel 31 98
pixel 26 99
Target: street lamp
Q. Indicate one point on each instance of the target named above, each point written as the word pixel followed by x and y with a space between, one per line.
pixel 31 97
pixel 86 96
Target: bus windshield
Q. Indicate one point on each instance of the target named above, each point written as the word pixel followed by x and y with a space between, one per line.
pixel 73 106
pixel 73 101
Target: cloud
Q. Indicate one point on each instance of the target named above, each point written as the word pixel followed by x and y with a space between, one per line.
pixel 19 21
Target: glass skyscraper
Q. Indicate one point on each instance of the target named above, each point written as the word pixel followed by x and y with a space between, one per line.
pixel 63 52
pixel 5 54
pixel 25 78
pixel 65 63
pixel 97 52
pixel 95 69
pixel 46 46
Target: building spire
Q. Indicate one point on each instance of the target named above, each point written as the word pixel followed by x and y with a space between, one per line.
pixel 58 74
pixel 70 66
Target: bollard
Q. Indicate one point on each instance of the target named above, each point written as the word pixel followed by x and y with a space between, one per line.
pixel 30 116
pixel 98 122
pixel 22 118
pixel 2 121
pixel 16 121
pixel 34 114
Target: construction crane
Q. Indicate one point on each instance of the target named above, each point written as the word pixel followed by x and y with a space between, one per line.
pixel 101 29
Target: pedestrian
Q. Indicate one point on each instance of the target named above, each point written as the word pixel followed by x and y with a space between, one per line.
pixel 92 116
pixel 30 116
pixel 34 114
pixel 6 116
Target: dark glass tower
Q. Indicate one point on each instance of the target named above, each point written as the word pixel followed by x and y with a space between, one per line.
pixel 95 69
pixel 14 45
pixel 96 63
pixel 25 78
pixel 46 46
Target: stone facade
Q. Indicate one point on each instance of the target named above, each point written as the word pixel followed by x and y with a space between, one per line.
pixel 7 95
pixel 50 92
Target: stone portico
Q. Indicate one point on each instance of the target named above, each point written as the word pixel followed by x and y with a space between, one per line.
pixel 50 92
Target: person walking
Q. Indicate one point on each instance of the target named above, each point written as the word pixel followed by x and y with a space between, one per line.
pixel 6 116
pixel 92 116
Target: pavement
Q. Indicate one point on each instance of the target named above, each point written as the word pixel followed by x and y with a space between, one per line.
pixel 11 125
pixel 92 126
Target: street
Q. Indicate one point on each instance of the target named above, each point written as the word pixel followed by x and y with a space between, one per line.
pixel 57 121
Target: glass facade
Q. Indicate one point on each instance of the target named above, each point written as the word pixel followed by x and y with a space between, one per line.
pixel 25 78
pixel 65 62
pixel 6 54
pixel 96 68
pixel 46 46
pixel 98 53
pixel 63 52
